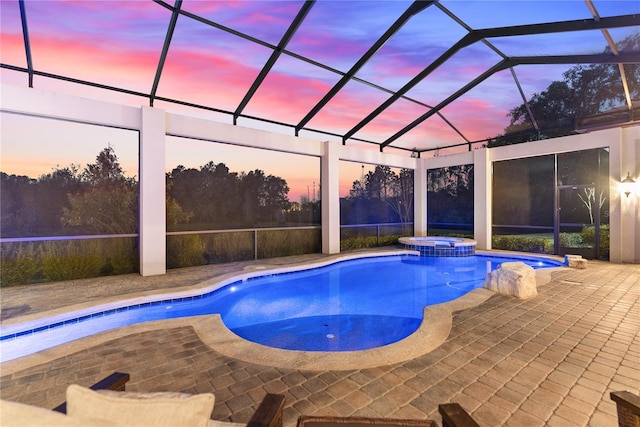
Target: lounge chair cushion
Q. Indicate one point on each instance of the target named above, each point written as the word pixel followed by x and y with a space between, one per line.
pixel 14 414
pixel 135 395
pixel 140 409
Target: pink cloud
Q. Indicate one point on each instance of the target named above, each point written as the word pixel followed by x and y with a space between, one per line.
pixel 12 51
pixel 94 62
pixel 477 118
pixel 348 108
pixel 206 79
pixel 287 98
pixel 431 133
pixel 391 120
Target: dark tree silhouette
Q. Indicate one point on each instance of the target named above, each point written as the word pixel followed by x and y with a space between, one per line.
pixel 108 204
pixel 585 90
pixel 16 199
pixel 214 197
pixel 450 197
pixel 381 196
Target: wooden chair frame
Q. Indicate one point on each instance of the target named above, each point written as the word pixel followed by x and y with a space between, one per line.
pixel 628 408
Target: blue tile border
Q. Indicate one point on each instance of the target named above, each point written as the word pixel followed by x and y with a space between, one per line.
pixel 132 307
pixel 443 251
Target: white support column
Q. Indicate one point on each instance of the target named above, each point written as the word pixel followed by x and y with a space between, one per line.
pixel 420 199
pixel 482 198
pixel 153 220
pixel 330 193
pixel 624 221
pixel 615 200
pixel 632 148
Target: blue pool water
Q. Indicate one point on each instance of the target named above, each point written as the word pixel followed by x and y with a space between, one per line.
pixel 349 305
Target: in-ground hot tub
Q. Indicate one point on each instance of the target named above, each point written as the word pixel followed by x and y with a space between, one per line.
pixel 440 246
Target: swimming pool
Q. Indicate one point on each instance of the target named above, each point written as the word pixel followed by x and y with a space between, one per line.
pixel 346 305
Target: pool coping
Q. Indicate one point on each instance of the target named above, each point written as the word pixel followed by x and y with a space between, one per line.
pixel 433 331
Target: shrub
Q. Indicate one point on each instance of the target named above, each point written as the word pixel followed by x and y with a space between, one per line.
pixel 185 251
pixel 358 242
pixel 450 233
pixel 588 235
pixel 306 242
pixel 275 243
pixel 460 235
pixel 388 240
pixel 363 242
pixel 571 240
pixel 20 264
pixel 521 243
pixel 228 247
pixel 71 259
pixel 121 255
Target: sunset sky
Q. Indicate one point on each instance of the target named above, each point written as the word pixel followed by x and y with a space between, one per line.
pixel 118 43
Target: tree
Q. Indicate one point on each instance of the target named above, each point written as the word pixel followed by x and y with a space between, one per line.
pixel 275 191
pixel 16 200
pixel 380 196
pixel 184 186
pixel 33 207
pixel 175 213
pixel 585 90
pixel 589 200
pixel 552 108
pixel 402 190
pixel 51 196
pixel 263 197
pixel 357 189
pixel 379 183
pixel 213 196
pixel 106 171
pixel 109 204
pixel 450 196
pixel 451 180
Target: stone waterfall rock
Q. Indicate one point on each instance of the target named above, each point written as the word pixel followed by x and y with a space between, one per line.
pixel 513 278
pixel 575 261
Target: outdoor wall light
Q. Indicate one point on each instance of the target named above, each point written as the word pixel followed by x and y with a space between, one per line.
pixel 627 184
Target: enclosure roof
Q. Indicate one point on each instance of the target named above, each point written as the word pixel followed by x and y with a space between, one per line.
pixel 431 77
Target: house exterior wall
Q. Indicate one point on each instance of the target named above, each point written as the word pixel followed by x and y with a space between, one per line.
pixel 623 156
